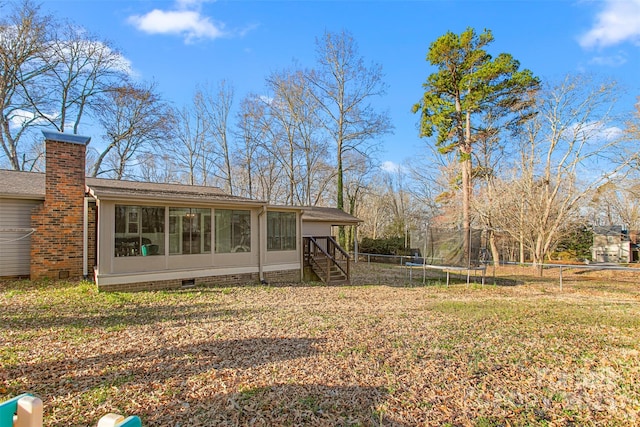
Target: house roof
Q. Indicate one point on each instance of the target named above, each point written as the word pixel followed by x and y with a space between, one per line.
pixel 31 185
pixel 111 189
pixel 334 216
pixel 611 230
pixel 22 185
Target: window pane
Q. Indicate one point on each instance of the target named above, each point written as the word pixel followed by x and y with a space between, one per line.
pixel 206 230
pixel 152 227
pixel 281 231
pixel 139 230
pixel 189 231
pixel 289 226
pixel 233 231
pixel 223 231
pixel 273 231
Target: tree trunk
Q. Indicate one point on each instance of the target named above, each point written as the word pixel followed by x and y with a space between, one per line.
pixel 495 254
pixel 521 240
pixel 227 165
pixel 466 210
pixel 466 187
pixel 538 259
pixel 96 167
pixel 340 195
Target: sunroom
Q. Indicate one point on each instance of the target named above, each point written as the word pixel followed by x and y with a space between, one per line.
pixel 150 235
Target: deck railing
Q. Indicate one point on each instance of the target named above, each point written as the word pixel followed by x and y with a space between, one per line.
pixel 322 253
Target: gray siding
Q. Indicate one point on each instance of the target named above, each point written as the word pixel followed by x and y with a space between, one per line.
pixel 15 240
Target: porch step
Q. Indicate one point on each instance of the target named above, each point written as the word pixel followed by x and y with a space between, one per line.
pixel 336 276
pixel 328 255
pixel 336 273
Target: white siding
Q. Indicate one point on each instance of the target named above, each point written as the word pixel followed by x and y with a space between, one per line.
pixel 15 240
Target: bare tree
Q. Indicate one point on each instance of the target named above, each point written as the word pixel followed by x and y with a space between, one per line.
pixel 567 151
pixel 619 202
pixel 435 183
pixel 358 172
pixel 190 149
pixel 155 167
pixel 82 67
pixel 24 36
pixel 315 167
pixel 258 171
pixel 489 158
pixel 390 206
pixel 250 134
pixel 135 119
pixel 345 88
pixel 215 107
pixel 283 107
pixel 271 187
pixel 632 133
pixel 399 198
pixel 373 209
pixel 301 148
pixel 51 72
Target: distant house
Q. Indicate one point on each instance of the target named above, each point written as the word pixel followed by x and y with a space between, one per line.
pixel 615 244
pixel 137 236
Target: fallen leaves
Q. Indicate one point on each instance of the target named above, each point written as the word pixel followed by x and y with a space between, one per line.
pixel 386 354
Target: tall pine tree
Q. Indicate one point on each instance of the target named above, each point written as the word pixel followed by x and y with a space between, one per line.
pixel 469 84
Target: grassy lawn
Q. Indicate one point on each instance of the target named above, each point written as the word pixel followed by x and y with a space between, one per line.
pixel 380 352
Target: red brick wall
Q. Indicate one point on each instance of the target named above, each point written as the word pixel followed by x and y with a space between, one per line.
pixel 283 276
pixel 57 243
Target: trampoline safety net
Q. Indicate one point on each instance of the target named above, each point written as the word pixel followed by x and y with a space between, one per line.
pixel 438 246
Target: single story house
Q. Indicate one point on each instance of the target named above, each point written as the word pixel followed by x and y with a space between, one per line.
pixel 139 236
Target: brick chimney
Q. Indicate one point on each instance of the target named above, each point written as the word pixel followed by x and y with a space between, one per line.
pixel 57 244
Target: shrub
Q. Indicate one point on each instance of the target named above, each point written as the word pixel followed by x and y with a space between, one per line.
pixel 388 246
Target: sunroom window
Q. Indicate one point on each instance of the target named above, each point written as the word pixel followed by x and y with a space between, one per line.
pixel 139 230
pixel 189 231
pixel 281 231
pixel 233 231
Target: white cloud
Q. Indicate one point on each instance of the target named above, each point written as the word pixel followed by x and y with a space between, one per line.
pixel 112 60
pixel 187 21
pixel 595 132
pixel 611 133
pixel 20 118
pixel 609 61
pixel 266 99
pixel 618 22
pixel 391 167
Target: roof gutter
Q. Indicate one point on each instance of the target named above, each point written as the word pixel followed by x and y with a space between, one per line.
pixel 164 200
pixel 36 197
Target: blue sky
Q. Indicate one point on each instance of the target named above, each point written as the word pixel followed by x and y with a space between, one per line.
pixel 179 44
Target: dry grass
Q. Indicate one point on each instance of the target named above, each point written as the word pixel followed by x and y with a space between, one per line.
pixel 380 352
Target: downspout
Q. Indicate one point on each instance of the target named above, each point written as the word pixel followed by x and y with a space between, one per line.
pixel 85 238
pixel 300 243
pixel 96 266
pixel 261 230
